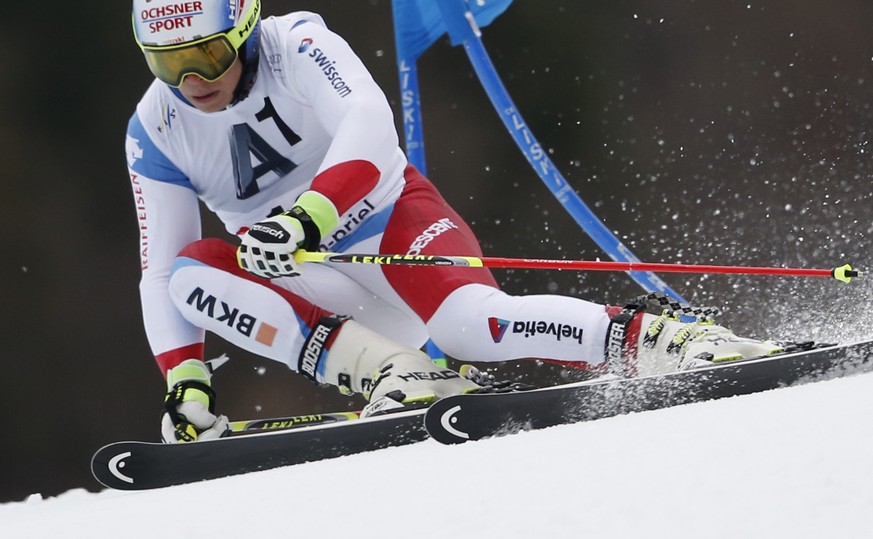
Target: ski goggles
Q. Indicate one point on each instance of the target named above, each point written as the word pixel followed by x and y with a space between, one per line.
pixel 209 58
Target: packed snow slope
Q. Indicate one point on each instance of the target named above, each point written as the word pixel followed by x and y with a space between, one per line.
pixel 792 462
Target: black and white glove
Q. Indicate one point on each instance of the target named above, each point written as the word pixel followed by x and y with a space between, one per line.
pixel 268 247
pixel 189 408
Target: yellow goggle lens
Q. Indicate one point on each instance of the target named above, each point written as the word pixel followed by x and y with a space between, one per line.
pixel 210 59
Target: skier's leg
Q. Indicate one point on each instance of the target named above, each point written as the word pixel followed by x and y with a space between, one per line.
pixel 211 292
pixel 481 323
pixel 319 286
pixel 626 341
pixel 466 314
pixel 470 319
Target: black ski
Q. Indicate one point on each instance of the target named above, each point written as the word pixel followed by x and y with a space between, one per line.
pixel 144 465
pixel 133 465
pixel 460 418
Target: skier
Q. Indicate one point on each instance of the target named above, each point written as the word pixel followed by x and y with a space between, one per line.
pixel 277 127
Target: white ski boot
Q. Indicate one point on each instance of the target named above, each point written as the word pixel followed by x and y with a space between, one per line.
pixel 669 344
pixel 677 339
pixel 389 375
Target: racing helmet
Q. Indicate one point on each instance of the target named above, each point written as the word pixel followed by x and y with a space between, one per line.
pixel 201 37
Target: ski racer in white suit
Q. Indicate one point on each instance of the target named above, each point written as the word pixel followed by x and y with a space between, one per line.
pixel 278 128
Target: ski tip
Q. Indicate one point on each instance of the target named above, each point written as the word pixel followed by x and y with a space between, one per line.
pixel 845 273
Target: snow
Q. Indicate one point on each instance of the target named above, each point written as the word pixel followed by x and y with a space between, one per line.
pixel 786 463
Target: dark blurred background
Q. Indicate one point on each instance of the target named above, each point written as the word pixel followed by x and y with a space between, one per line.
pixel 702 131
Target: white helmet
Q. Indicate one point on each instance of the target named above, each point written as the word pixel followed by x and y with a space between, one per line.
pixel 201 37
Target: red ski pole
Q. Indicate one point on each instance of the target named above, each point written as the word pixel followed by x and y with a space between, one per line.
pixel 843 273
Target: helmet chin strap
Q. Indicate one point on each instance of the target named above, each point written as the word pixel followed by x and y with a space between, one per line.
pixel 246 81
pixel 250 67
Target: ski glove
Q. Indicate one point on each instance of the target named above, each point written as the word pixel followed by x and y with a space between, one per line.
pixel 268 247
pixel 189 408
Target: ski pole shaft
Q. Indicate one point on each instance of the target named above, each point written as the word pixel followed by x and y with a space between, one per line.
pixel 290 422
pixel 843 273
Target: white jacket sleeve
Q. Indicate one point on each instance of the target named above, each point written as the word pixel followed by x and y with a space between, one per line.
pixel 169 219
pixel 328 76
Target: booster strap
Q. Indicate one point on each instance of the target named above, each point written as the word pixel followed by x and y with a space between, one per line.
pixel 316 345
pixel 621 339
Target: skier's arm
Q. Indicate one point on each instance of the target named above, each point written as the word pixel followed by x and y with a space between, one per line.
pixel 168 218
pixel 354 111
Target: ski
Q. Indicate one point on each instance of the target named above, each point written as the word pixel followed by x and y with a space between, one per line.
pixel 291 422
pixel 461 418
pixel 135 465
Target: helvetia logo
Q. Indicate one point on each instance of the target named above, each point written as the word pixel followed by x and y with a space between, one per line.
pixel 304 45
pixel 533 328
pixel 498 328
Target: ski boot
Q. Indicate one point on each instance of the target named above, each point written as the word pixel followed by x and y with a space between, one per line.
pixel 391 376
pixel 680 338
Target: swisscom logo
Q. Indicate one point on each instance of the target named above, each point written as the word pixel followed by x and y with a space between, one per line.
pixel 326 65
